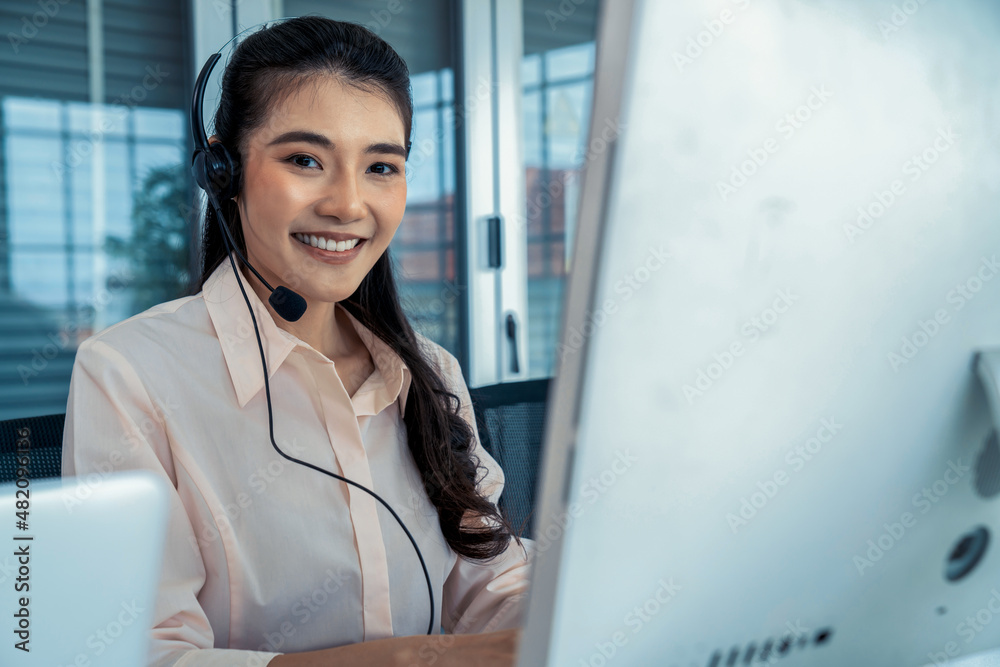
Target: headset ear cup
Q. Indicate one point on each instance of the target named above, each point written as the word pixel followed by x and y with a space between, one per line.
pixel 198 169
pixel 224 172
pixel 215 171
pixel 236 175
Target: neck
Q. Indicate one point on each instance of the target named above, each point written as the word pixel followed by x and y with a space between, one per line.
pixel 319 326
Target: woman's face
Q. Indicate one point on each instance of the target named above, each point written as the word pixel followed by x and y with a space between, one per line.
pixel 328 167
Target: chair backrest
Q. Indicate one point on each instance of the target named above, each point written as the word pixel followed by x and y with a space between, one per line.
pixel 511 420
pixel 41 437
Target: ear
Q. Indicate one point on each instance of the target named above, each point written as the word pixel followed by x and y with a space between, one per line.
pixel 213 139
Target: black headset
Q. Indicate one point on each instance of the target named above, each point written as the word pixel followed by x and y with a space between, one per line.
pixel 217 172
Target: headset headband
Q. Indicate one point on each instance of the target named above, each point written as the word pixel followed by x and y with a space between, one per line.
pixel 198 99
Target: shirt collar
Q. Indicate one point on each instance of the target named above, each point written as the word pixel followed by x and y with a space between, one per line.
pixel 231 319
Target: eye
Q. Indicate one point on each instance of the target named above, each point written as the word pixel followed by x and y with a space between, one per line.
pixel 294 160
pixel 386 169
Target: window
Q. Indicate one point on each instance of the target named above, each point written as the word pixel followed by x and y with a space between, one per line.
pixel 557 75
pixel 93 174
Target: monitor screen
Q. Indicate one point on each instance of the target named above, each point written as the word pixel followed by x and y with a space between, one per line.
pixel 767 436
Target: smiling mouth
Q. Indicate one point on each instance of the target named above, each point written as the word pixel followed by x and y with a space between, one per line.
pixel 327 244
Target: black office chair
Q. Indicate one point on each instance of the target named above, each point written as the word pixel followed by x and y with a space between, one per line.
pixel 511 421
pixel 510 417
pixel 44 436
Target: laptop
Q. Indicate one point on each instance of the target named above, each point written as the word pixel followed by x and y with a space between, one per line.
pixel 79 569
pixel 769 435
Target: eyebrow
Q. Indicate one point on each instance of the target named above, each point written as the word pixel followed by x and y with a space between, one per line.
pixel 324 142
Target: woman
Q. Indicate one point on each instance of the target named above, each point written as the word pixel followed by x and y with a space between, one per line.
pixel 267 561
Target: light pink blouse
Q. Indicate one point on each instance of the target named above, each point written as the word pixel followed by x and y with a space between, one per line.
pixel 265 556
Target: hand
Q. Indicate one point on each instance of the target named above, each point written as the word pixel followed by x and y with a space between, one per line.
pixel 487 649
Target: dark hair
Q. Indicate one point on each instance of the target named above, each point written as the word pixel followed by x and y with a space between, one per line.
pixel 273 62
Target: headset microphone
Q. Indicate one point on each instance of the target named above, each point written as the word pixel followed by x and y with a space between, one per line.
pixel 217 173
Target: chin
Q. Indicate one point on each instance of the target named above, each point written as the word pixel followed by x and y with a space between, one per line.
pixel 329 296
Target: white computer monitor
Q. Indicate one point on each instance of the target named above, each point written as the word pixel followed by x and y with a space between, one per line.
pixel 79 567
pixel 767 439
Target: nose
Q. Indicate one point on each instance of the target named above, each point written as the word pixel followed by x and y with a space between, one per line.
pixel 343 199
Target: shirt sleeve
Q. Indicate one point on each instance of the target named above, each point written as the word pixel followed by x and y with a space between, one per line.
pixel 483 596
pixel 113 424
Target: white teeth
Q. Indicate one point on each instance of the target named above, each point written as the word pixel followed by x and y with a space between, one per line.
pixel 327 244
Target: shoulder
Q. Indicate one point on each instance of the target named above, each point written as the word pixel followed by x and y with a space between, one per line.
pixel 170 329
pixel 431 350
pixel 491 482
pixel 167 314
pixel 439 357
